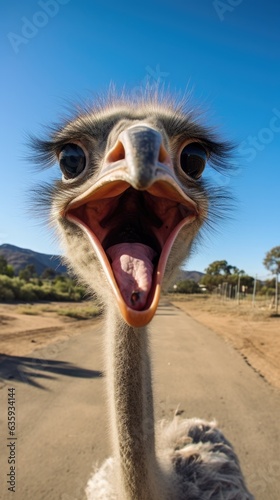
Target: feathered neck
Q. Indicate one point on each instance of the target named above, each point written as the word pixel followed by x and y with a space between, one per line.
pixel 131 410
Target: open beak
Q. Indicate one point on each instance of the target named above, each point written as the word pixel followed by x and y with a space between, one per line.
pixel 132 215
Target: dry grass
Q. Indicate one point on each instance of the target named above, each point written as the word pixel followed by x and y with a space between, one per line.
pixel 80 313
pixel 261 309
pixel 80 310
pixel 28 309
pixel 253 329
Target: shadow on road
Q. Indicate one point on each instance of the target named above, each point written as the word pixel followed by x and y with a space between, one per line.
pixel 31 370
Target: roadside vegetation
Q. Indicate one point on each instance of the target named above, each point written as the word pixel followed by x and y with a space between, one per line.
pixel 29 287
pixel 226 281
pixel 220 279
pixel 75 310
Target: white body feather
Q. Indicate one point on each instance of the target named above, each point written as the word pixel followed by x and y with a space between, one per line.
pixel 206 457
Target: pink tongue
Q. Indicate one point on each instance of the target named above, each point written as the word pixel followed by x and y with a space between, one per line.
pixel 133 269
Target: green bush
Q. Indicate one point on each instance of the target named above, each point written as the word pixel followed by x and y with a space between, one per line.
pixel 6 295
pixel 10 288
pixel 5 268
pixel 265 290
pixel 17 289
pixel 187 286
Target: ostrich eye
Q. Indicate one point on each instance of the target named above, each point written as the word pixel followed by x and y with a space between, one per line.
pixel 72 160
pixel 193 159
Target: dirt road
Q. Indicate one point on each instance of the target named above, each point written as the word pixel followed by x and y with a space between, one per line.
pixel 61 418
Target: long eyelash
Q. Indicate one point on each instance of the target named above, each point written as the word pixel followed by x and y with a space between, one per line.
pixel 43 152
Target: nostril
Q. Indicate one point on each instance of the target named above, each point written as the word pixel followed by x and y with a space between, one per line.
pixel 163 156
pixel 117 153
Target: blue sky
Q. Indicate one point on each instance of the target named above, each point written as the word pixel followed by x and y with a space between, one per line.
pixel 227 52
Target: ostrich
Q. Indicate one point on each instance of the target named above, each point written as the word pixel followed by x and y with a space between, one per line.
pixel 128 209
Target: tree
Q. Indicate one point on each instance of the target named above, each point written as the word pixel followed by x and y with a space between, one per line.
pixel 28 272
pixel 6 268
pixel 268 288
pixel 221 273
pixel 10 271
pixel 216 268
pixel 48 274
pixel 3 264
pixel 272 260
pixel 32 270
pixel 221 267
pixel 272 263
pixel 187 286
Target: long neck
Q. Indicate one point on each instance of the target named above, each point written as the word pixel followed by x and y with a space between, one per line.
pixel 131 410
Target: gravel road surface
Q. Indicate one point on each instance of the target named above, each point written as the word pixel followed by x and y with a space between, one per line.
pixel 61 420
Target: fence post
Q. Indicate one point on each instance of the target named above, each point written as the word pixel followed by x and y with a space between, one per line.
pixel 238 290
pixel 254 292
pixel 276 293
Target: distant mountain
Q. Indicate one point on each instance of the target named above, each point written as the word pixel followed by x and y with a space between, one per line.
pixel 189 275
pixel 19 258
pixel 183 275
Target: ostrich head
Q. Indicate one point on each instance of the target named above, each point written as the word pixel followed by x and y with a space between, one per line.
pixel 132 197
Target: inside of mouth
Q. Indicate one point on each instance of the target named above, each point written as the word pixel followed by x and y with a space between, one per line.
pixel 132 229
pixel 133 267
pixel 132 247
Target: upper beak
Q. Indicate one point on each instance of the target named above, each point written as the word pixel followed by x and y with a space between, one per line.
pixel 138 159
pixel 140 152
